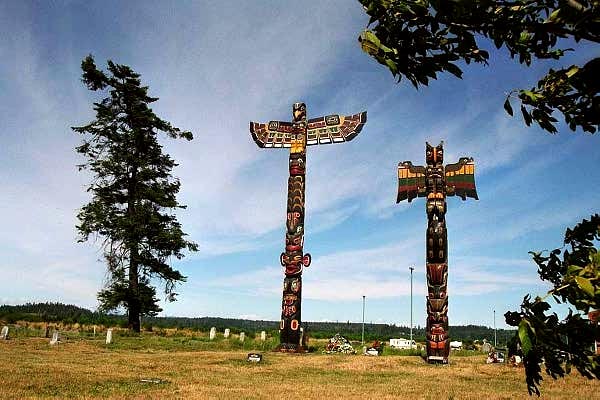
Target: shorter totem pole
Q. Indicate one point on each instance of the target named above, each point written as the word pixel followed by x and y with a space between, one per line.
pixel 436 182
pixel 297 135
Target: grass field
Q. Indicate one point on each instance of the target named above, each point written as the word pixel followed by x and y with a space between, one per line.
pixel 191 367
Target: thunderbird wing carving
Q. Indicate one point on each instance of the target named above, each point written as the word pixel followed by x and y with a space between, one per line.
pixel 334 128
pixel 411 181
pixel 272 134
pixel 460 179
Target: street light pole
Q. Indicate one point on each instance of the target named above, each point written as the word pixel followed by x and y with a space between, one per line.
pixel 363 323
pixel 495 328
pixel 411 307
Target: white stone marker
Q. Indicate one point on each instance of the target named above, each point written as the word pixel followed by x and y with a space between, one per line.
pixel 263 336
pixel 4 334
pixel 55 338
pixel 109 336
pixel 226 333
pixel 213 333
pixel 94 330
pixel 242 336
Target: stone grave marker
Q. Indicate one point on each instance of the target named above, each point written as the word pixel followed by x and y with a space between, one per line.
pixel 109 336
pixel 242 336
pixel 213 333
pixel 263 336
pixel 55 338
pixel 94 330
pixel 4 334
pixel 226 333
pixel 487 346
pixel 255 357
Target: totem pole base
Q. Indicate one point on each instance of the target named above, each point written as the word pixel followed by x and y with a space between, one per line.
pixel 437 360
pixel 290 348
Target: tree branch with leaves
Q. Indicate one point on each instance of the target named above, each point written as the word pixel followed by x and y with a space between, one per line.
pixel 418 39
pixel 544 338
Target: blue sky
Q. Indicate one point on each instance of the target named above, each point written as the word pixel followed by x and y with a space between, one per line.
pixel 218 65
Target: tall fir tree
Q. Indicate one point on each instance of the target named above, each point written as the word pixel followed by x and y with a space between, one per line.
pixel 133 193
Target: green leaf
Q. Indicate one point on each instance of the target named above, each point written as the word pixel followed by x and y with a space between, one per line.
pixel 371 37
pixel 524 38
pixel 453 69
pixel 507 107
pixel 392 66
pixel 554 17
pixel 369 43
pixel 532 96
pixel 526 116
pixel 572 71
pixel 585 285
pixel 572 269
pixel 524 337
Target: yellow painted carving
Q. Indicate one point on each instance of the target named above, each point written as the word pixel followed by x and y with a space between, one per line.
pixel 298 144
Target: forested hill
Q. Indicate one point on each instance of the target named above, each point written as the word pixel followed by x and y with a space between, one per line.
pixel 58 312
pixel 44 312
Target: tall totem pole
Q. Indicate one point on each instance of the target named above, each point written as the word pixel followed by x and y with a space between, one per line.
pixel 297 135
pixel 436 182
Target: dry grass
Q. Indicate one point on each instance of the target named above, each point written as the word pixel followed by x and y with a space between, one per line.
pixel 30 368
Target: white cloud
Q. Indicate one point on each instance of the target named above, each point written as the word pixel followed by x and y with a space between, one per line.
pixel 382 272
pixel 253 317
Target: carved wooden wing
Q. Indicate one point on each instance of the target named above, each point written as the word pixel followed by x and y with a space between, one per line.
pixel 411 181
pixel 273 134
pixel 460 179
pixel 334 128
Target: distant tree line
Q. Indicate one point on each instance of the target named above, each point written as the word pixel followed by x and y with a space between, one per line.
pixel 55 312
pixel 70 314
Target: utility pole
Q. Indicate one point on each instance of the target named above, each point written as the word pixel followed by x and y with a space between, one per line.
pixel 495 329
pixel 411 306
pixel 363 323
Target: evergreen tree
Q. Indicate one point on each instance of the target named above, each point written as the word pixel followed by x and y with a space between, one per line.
pixel 132 192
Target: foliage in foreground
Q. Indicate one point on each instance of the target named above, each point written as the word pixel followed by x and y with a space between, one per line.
pixel 417 39
pixel 132 189
pixel 562 344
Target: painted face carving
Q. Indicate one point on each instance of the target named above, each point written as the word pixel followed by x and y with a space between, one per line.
pixel 289 305
pixel 434 155
pixel 292 263
pixel 293 219
pixel 293 243
pixel 299 112
pixel 295 285
pixel 297 166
